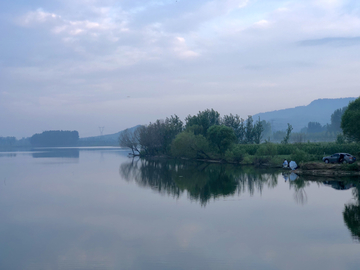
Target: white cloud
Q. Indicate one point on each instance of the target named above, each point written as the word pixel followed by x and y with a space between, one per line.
pixel 182 50
pixel 38 16
pixel 220 51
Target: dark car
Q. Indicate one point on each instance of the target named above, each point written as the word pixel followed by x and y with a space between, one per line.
pixel 339 158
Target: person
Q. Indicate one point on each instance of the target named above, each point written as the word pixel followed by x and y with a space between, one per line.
pixel 285 164
pixel 293 165
pixel 341 159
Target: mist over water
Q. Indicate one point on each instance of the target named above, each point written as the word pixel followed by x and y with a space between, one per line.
pixel 99 209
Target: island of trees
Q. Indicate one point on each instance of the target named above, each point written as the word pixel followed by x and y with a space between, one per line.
pixel 230 138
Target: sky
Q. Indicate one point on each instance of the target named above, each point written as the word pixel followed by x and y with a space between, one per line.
pixel 85 64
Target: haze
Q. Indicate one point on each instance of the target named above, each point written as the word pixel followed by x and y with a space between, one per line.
pixel 81 64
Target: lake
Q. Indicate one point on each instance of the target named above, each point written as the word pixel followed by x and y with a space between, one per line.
pixel 96 208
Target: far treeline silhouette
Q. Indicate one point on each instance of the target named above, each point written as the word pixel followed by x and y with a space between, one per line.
pixel 55 138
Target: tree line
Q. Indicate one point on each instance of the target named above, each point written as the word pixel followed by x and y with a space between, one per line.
pixel 201 136
pixel 55 138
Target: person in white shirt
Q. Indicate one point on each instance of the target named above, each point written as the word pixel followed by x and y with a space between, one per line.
pixel 285 164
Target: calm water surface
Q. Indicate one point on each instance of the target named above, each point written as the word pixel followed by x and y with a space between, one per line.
pixel 98 209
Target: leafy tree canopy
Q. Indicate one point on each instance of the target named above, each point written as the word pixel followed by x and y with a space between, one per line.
pixel 350 121
pixel 335 125
pixel 203 120
pixel 221 137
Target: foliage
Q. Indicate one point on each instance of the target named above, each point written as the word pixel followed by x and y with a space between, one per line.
pixel 279 135
pixel 203 120
pixel 267 149
pixel 237 124
pixel 335 125
pixel 287 136
pixel 131 140
pixel 351 167
pixel 300 156
pixel 189 145
pixel 157 137
pixel 257 131
pixel 55 138
pixel 221 137
pixel 235 154
pixel 350 121
pixel 340 139
pixel 267 129
pixel 261 160
pixel 7 141
pixel 315 127
pixel 249 133
pixel 298 137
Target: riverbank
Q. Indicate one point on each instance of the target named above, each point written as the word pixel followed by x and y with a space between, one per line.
pixel 328 170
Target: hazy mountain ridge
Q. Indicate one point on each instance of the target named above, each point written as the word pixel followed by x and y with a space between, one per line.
pixel 109 139
pixel 319 110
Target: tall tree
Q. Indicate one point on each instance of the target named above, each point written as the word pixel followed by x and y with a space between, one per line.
pixel 258 131
pixel 335 125
pixel 157 137
pixel 237 124
pixel 221 137
pixel 203 120
pixel 314 127
pixel 131 140
pixel 287 136
pixel 249 133
pixel 350 121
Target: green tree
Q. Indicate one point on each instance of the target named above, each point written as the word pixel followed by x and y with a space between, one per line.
pixel 156 138
pixel 287 136
pixel 267 129
pixel 335 125
pixel 237 124
pixel 221 137
pixel 249 132
pixel 258 131
pixel 203 120
pixel 350 121
pixel 187 144
pixel 314 127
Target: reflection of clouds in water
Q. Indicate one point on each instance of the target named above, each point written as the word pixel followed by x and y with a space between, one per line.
pixel 186 233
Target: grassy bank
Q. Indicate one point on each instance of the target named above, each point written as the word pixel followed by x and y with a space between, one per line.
pixel 274 154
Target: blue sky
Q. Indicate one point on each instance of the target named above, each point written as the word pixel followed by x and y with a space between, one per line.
pixel 82 64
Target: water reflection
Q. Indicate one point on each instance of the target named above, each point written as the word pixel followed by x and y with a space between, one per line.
pixel 8 155
pixel 202 181
pixel 351 213
pixel 57 153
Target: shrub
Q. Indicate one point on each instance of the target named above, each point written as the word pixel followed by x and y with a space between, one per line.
pixel 261 160
pixel 267 149
pixel 300 156
pixel 236 154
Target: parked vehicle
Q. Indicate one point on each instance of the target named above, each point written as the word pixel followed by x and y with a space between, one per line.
pixel 339 158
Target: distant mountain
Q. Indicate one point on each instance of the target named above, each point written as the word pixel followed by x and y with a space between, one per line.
pixel 319 110
pixel 108 140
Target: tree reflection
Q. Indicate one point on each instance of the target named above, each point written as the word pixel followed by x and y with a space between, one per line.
pixel 299 186
pixel 351 213
pixel 201 181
